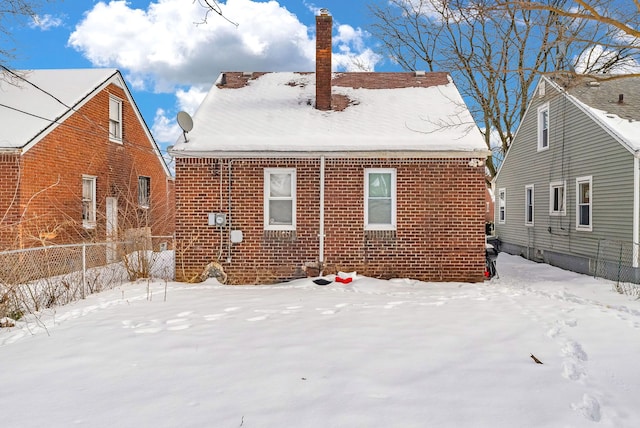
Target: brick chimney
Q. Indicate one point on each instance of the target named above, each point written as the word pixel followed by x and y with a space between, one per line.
pixel 324 26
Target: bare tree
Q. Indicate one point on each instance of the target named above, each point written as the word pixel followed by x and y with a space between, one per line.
pixel 213 6
pixel 14 11
pixel 494 50
pixel 609 28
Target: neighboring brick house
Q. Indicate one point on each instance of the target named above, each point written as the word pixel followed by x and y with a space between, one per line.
pixel 74 151
pixel 379 173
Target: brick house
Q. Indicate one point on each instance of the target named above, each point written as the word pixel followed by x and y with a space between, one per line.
pixel 77 161
pixel 289 174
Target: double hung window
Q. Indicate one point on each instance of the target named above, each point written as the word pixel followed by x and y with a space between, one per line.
pixel 280 199
pixel 380 199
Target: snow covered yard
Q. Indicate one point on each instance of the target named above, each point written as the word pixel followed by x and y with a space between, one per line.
pixel 370 353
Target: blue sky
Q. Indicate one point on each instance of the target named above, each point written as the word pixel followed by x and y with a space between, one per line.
pixel 170 58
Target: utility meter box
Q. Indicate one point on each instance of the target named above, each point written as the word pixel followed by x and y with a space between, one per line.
pixel 217 219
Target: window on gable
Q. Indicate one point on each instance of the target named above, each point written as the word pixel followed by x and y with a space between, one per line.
pixel 144 192
pixel 380 199
pixel 528 205
pixel 543 127
pixel 584 206
pixel 502 206
pixel 115 119
pixel 557 198
pixel 280 199
pixel 88 202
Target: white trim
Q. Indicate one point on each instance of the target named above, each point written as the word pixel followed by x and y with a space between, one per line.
pixel 91 222
pixel 544 108
pixel 636 211
pixel 502 204
pixel 267 198
pixel 394 199
pixel 375 154
pixel 552 185
pixel 144 203
pixel 117 137
pixel 501 212
pixel 579 181
pixel 526 207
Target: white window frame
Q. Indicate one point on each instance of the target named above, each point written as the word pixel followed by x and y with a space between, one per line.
pixel 579 203
pixel 115 119
pixel 89 201
pixel 542 111
pixel 552 186
pixel 144 191
pixel 394 199
pixel 502 206
pixel 268 197
pixel 529 202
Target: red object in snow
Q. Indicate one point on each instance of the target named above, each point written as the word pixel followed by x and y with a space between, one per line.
pixel 343 280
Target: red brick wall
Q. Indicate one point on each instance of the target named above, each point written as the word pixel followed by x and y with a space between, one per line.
pixel 440 220
pixel 9 199
pixel 52 170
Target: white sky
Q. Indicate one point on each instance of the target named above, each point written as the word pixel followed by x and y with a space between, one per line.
pixel 372 353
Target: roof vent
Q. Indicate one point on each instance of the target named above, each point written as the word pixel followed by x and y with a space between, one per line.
pixel 594 84
pixel 420 73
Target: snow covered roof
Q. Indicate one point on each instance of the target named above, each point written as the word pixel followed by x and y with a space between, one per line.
pixel 35 100
pixel 613 102
pixel 274 114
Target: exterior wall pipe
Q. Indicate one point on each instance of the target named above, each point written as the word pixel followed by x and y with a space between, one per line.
pixel 636 210
pixel 321 235
pixel 229 211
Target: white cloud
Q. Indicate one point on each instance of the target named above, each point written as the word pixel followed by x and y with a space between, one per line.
pixel 168 46
pixel 46 22
pixel 165 128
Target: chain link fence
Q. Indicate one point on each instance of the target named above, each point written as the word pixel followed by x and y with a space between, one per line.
pixel 615 261
pixel 37 278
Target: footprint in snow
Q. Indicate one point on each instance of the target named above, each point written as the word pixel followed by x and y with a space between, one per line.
pixel 589 407
pixel 571 322
pixel 572 371
pixel 573 349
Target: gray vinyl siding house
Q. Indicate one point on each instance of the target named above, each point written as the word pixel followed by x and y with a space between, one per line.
pixel 567 192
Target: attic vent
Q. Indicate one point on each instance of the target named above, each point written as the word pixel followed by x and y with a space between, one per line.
pixel 420 73
pixel 247 73
pixel 621 99
pixel 541 89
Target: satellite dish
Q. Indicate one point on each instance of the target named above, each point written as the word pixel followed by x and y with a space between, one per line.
pixel 185 121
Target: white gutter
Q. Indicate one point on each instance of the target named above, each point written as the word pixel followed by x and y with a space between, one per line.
pixel 636 210
pixel 321 235
pixel 360 154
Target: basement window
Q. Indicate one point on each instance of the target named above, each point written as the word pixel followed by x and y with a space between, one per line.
pixel 280 199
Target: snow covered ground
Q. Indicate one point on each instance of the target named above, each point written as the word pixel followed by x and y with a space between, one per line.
pixel 371 353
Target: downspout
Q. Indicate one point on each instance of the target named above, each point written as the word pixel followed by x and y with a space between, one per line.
pixel 321 235
pixel 229 212
pixel 636 209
